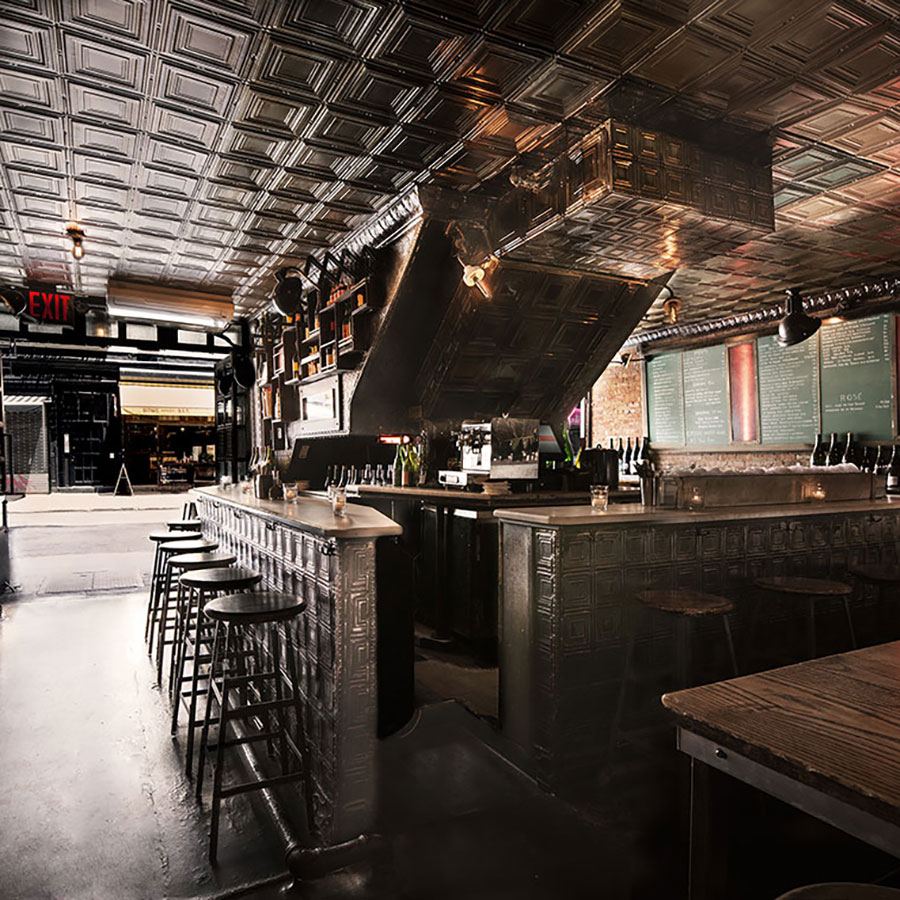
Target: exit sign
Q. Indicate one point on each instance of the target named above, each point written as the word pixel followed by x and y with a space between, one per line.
pixel 48 305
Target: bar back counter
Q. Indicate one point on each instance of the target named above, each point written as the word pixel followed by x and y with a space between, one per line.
pixel 302 548
pixel 569 580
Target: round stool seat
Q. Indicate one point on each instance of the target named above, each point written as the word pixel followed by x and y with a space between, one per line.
pixel 841 891
pixel 685 602
pixel 231 579
pixel 878 573
pixel 160 537
pixel 808 587
pixel 184 524
pixel 189 562
pixel 253 609
pixel 196 546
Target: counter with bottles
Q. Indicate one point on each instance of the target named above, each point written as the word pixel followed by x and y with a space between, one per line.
pixel 305 549
pixel 569 579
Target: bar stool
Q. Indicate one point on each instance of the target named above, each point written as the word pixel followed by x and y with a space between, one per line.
pixel 184 525
pixel 201 586
pixel 686 606
pixel 189 510
pixel 883 576
pixel 189 562
pixel 187 557
pixel 164 550
pixel 263 696
pixel 841 891
pixel 815 590
pixel 162 537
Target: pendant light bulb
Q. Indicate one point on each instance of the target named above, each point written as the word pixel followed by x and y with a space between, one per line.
pixel 76 235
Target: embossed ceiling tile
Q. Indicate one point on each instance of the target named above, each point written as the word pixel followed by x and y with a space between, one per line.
pixel 217 216
pixel 414 45
pixel 549 24
pixel 302 70
pixel 36 182
pixel 841 174
pixel 154 225
pixel 88 215
pixel 30 156
pixel 104 106
pixel 373 92
pixel 164 181
pixel 185 126
pixel 207 41
pixel 24 42
pixel 107 63
pixel 39 206
pixel 298 184
pixel 285 208
pixel 341 25
pixel 278 114
pixel 94 194
pixel 881 189
pixel 557 89
pixel 268 226
pixel 319 161
pixel 686 57
pixel 32 90
pixel 36 224
pixel 492 70
pixel 354 136
pixel 196 89
pixel 124 17
pixel 256 147
pixel 449 113
pixel 834 120
pixel 243 174
pixel 106 170
pixel 861 68
pixel 164 154
pixel 513 130
pixel 106 141
pixel 788 103
pixel 382 177
pixel 239 198
pixel 619 35
pixel 806 162
pixel 409 148
pixel 33 126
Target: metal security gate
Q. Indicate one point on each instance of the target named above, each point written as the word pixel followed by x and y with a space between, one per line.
pixel 26 427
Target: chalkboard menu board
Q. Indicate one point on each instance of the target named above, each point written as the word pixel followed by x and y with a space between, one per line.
pixel 665 399
pixel 856 378
pixel 788 391
pixel 705 396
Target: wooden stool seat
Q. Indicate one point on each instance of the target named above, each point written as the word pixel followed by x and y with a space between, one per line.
pixel 160 537
pixel 231 579
pixel 685 602
pixel 807 587
pixel 254 609
pixel 877 573
pixel 840 891
pixel 185 525
pixel 204 560
pixel 195 546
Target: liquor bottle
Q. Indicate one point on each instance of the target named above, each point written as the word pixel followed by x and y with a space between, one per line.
pixel 893 472
pixel 869 458
pixel 852 451
pixel 352 476
pixel 398 468
pixel 342 478
pixel 368 476
pixel 379 474
pixel 819 455
pixel 834 451
pixel 626 459
pixel 884 459
pixel 406 472
pixel 620 452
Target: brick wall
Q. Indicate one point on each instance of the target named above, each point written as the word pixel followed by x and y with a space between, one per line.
pixel 617 410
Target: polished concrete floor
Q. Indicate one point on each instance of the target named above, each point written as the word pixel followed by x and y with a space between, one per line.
pixel 93 802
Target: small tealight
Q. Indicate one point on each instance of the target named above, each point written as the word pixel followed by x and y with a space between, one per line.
pixel 599 497
pixel 339 501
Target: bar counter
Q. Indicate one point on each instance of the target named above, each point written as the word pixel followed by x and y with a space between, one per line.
pixel 304 549
pixel 570 575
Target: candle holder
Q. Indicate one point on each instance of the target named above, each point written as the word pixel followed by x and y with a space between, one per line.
pixel 339 501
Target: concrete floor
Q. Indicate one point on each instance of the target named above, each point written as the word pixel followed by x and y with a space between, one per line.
pixel 94 806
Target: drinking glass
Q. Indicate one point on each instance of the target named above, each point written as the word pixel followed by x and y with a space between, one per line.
pixel 599 497
pixel 339 501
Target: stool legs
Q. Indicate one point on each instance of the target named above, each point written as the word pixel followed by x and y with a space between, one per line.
pixel 157 556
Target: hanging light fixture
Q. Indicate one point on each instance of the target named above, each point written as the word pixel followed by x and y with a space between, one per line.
pixel 796 326
pixel 289 291
pixel 76 235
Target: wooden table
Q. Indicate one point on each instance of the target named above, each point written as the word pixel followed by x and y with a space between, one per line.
pixel 823 736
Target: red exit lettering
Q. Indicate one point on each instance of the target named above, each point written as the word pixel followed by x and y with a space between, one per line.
pixel 49 306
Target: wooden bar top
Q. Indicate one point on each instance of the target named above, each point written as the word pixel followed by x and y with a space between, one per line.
pixel 831 723
pixel 636 514
pixel 309 514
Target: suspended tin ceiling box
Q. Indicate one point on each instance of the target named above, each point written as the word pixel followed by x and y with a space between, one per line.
pixel 156 303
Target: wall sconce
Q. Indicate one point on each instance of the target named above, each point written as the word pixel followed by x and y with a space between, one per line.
pixel 76 235
pixel 671 307
pixel 473 276
pixel 96 323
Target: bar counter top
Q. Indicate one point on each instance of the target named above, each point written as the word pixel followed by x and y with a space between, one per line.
pixel 476 499
pixel 309 514
pixel 635 514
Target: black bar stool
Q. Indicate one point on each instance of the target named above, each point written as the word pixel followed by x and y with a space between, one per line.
pixel 185 525
pixel 264 696
pixel 841 891
pixel 687 606
pixel 187 556
pixel 189 510
pixel 162 537
pixel 815 590
pixel 201 586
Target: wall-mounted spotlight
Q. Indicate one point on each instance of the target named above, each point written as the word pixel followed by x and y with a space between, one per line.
pixel 796 326
pixel 76 235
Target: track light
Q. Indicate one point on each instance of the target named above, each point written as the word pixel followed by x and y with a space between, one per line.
pixel 77 237
pixel 796 326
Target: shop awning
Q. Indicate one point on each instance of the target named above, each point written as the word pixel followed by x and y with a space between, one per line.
pixel 169 401
pixel 25 400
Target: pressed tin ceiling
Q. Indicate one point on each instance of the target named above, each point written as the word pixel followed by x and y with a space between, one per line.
pixel 210 144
